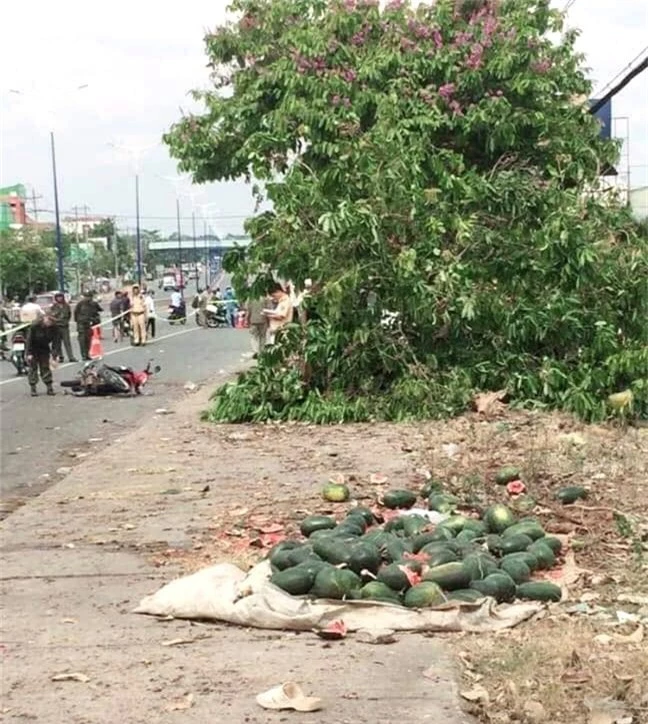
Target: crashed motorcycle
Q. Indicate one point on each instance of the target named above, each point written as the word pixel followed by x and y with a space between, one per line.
pixel 216 315
pixel 97 379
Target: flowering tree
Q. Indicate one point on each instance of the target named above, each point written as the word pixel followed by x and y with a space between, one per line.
pixel 436 162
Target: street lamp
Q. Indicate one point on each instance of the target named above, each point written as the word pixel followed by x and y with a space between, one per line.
pixel 192 195
pixel 136 153
pixel 57 212
pixel 177 182
pixel 206 216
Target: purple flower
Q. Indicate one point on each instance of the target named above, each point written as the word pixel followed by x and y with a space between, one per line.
pixel 455 107
pixel 346 102
pixel 438 40
pixel 541 66
pixel 490 25
pixel 349 75
pixel 349 5
pixel 475 59
pixel 462 38
pixel 394 5
pixel 407 44
pixel 336 100
pixel 447 91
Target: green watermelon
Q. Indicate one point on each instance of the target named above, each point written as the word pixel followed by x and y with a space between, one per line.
pixel 498 518
pixel 336 583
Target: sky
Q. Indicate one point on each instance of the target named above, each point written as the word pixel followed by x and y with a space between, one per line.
pixel 138 66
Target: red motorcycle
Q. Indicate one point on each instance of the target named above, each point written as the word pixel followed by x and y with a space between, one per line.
pixel 97 379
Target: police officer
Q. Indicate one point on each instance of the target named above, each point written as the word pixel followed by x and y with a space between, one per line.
pixel 86 313
pixel 40 342
pixel 62 313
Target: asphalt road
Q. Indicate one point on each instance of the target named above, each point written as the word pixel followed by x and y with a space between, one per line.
pixel 42 435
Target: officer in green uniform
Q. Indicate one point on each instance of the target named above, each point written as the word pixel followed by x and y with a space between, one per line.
pixel 62 313
pixel 86 313
pixel 40 342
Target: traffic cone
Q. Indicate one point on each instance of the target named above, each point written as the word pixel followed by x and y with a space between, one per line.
pixel 96 348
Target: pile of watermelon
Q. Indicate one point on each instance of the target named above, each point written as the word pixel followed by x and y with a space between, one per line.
pixel 411 562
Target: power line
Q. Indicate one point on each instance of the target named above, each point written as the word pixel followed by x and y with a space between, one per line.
pixel 622 71
pixel 213 218
pixel 568 5
pixel 620 85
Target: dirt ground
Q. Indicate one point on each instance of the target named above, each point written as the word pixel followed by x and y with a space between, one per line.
pixel 556 669
pixel 178 494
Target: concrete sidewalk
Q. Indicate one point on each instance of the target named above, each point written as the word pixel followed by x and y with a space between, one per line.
pixel 76 560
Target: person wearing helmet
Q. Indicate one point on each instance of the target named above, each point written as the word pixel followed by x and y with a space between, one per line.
pixel 86 313
pixel 40 342
pixel 62 313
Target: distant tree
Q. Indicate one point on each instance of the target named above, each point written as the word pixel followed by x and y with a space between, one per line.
pixel 27 263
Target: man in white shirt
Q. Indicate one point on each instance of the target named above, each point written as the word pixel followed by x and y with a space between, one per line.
pixel 176 299
pixel 281 315
pixel 150 314
pixel 30 311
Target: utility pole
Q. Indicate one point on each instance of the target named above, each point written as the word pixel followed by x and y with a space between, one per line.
pixel 179 246
pixel 78 248
pixel 206 255
pixel 34 204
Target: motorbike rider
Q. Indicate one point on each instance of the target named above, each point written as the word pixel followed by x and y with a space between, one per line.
pixel 150 314
pixel 177 304
pixel 230 306
pixel 30 311
pixel 4 317
pixel 86 313
pixel 62 313
pixel 40 345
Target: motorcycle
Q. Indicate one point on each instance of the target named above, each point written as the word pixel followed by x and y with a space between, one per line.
pixel 177 314
pixel 216 315
pixel 98 379
pixel 17 355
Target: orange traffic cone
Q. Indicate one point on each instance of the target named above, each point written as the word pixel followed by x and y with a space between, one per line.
pixel 96 348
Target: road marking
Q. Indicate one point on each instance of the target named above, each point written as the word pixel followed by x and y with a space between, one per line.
pixel 23 378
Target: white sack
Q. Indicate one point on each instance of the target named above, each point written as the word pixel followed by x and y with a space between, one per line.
pixel 225 593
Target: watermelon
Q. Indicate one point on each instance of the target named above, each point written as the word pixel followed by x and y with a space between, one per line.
pixel 499 586
pixel 544 554
pixel 539 591
pixel 449 576
pixel 514 543
pixel 528 527
pixel 432 486
pixel 437 556
pixel 443 502
pixel 395 576
pixel 335 492
pixel 465 595
pixel 366 513
pixel 507 474
pixel 571 494
pixel 296 581
pixel 398 499
pixel 364 557
pixel 378 591
pixel 516 568
pixel 479 565
pixel 424 595
pixel 336 583
pixel 553 543
pixel 414 524
pixel 498 518
pixel 332 550
pixel 316 522
pixel 526 557
pixel 454 523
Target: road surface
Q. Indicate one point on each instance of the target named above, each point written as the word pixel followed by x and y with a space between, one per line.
pixel 42 435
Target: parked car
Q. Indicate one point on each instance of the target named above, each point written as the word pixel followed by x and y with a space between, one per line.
pixel 46 299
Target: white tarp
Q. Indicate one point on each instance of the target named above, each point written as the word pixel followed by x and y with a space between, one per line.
pixel 226 593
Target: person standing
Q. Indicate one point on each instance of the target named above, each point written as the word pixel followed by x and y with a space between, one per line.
pixel 4 317
pixel 281 315
pixel 30 311
pixel 116 310
pixel 86 313
pixel 41 341
pixel 258 324
pixel 62 313
pixel 138 317
pixel 150 314
pixel 203 301
pixel 230 306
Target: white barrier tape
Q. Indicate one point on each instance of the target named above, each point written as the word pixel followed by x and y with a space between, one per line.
pixel 13 330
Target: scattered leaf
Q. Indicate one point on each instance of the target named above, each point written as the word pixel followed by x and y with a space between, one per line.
pixel 75 676
pixel 185 702
pixel 477 694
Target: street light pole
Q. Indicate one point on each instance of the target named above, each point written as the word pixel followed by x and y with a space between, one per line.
pixel 57 212
pixel 206 250
pixel 179 230
pixel 193 232
pixel 138 239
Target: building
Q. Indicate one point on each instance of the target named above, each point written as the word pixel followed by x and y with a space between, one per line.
pixel 81 225
pixel 13 214
pixel 639 202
